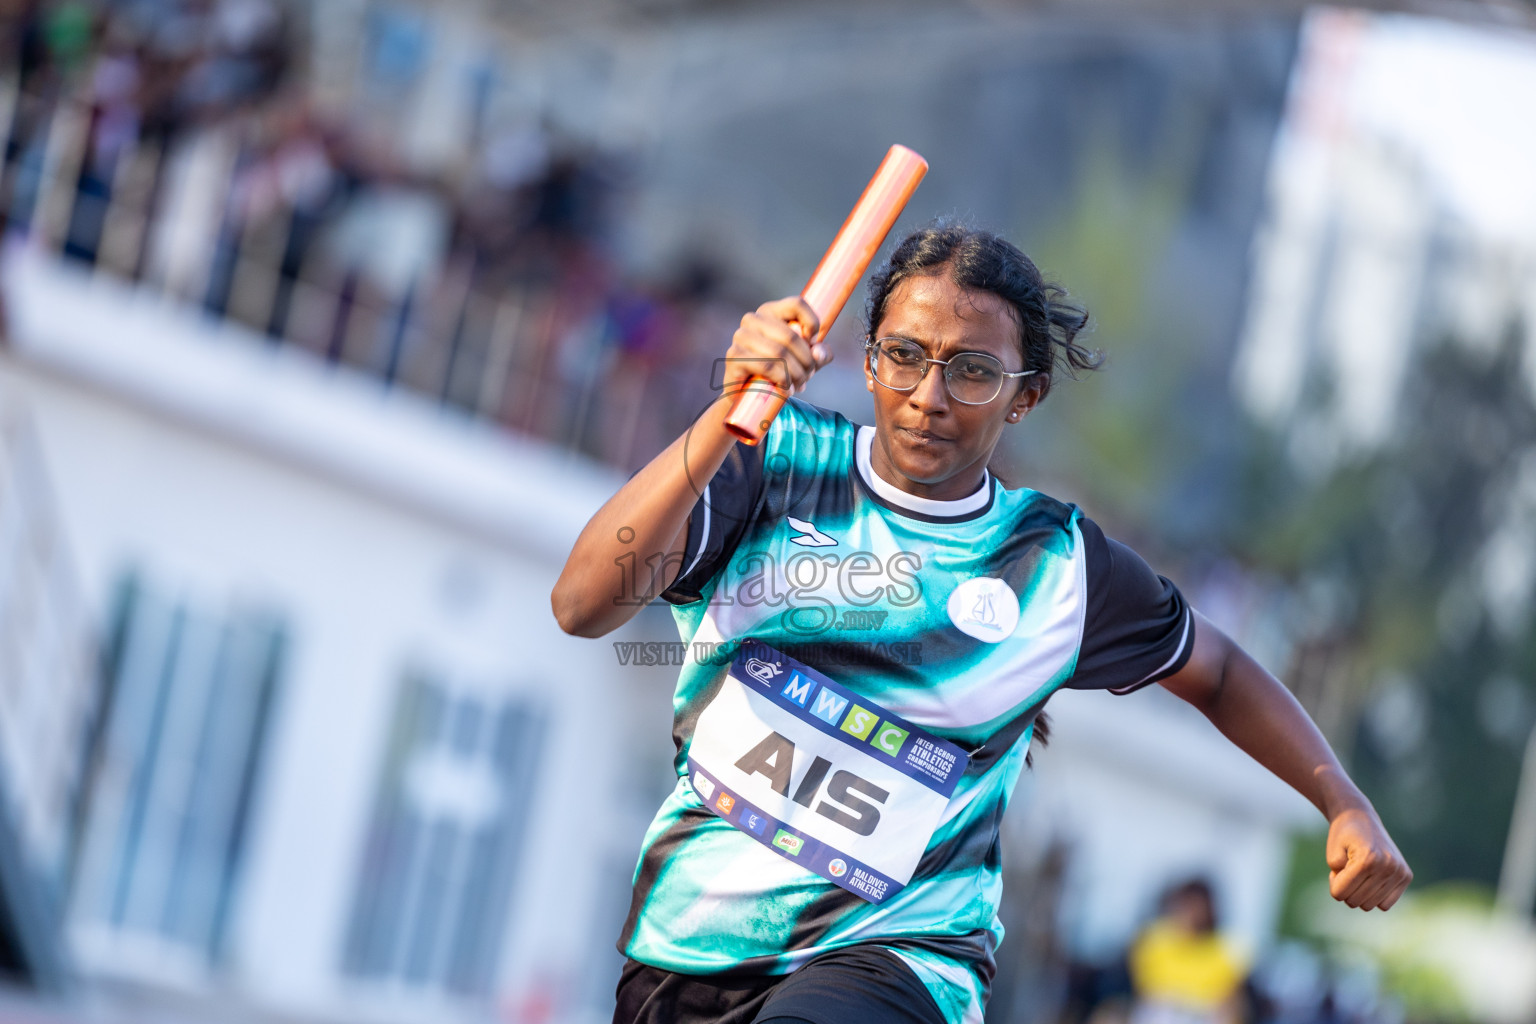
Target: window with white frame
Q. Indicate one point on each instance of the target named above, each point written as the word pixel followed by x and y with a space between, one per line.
pixel 449 821
pixel 190 687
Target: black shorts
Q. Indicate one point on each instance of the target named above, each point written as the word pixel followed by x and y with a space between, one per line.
pixel 856 985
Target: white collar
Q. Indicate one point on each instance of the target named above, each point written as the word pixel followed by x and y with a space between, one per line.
pixel 894 495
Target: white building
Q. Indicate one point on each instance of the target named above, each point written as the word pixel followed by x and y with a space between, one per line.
pixel 351 765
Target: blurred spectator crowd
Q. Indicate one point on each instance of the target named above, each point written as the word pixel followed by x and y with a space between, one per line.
pixel 1181 969
pixel 178 145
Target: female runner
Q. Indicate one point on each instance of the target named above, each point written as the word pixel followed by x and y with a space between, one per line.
pixel 874 624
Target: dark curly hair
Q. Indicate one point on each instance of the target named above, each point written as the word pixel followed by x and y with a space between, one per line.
pixel 978 259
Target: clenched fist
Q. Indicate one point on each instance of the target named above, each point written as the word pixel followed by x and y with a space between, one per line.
pixel 771 343
pixel 1367 872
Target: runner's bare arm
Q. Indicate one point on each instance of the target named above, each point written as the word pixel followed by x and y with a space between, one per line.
pixel 1255 711
pixel 632 548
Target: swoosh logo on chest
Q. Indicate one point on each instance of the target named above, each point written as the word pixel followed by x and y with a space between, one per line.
pixel 810 537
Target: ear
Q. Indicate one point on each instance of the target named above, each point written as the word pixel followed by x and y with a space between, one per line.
pixel 869 374
pixel 1028 397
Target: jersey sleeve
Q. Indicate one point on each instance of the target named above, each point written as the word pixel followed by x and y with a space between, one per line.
pixel 1138 627
pixel 742 494
pixel 725 508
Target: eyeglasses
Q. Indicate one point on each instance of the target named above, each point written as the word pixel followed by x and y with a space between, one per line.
pixel 973 378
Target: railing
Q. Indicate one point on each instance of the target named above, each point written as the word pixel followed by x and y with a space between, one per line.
pixel 548 348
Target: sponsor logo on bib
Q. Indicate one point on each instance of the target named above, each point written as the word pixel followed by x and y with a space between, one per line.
pixel 762 671
pixel 789 843
pixel 985 608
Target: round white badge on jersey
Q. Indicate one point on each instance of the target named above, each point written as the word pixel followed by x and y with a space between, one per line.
pixel 985 608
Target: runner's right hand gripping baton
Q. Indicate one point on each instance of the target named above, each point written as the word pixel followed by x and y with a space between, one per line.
pixel 835 278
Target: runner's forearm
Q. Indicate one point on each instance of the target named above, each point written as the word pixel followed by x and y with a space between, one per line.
pixel 629 550
pixel 1259 715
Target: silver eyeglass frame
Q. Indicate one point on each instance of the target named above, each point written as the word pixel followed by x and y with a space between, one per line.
pixel 873 348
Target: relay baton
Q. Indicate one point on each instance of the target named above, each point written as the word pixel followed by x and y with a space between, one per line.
pixel 835 278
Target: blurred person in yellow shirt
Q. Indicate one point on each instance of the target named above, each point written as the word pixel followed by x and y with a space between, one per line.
pixel 1182 970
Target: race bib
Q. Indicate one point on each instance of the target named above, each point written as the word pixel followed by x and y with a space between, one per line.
pixel 820 775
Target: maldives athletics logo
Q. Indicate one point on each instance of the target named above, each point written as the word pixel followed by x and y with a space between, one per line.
pixel 837 867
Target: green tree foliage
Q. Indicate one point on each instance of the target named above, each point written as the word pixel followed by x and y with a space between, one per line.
pixel 1435 669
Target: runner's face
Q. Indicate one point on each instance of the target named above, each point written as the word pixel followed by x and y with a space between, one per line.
pixel 927 443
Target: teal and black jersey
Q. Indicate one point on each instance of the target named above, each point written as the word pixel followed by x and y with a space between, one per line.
pixel 961 617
